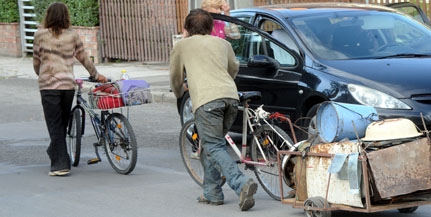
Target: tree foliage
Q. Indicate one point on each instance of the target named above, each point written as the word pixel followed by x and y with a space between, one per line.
pixel 82 12
pixel 9 12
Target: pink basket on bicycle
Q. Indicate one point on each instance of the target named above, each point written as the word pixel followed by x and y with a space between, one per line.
pixel 106 96
pixel 120 94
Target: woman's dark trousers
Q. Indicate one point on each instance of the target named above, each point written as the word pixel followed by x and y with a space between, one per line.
pixel 56 108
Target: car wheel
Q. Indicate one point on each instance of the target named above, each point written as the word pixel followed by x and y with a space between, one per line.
pixel 186 112
pixel 312 126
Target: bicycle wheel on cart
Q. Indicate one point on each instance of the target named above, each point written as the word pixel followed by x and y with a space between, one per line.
pixel 120 144
pixel 74 134
pixel 189 150
pixel 272 139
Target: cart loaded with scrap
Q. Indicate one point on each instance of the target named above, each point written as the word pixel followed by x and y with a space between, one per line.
pixel 359 162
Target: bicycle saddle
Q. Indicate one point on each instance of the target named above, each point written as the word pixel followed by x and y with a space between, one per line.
pixel 249 95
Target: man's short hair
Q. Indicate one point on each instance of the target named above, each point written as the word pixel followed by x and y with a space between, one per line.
pixel 198 22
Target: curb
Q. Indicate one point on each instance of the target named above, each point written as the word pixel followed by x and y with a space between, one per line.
pixel 162 97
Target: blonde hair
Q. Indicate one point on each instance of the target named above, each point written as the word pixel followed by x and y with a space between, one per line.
pixel 206 4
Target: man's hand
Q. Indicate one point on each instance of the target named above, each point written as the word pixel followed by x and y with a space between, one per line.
pixel 185 87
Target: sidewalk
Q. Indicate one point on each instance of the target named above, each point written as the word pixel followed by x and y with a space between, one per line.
pixel 156 75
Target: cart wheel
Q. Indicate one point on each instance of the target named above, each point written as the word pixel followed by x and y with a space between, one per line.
pixel 318 202
pixel 408 210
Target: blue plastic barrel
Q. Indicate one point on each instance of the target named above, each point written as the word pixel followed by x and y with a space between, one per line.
pixel 337 121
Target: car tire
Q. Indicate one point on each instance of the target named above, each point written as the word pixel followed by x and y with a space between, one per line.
pixel 312 125
pixel 185 108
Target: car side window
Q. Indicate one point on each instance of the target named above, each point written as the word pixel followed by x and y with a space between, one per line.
pixel 253 41
pixel 245 19
pixel 411 10
pixel 249 44
pixel 278 33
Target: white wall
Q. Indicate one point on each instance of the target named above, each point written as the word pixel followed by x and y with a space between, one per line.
pixel 243 4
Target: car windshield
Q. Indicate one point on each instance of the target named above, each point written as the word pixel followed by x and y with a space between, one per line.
pixel 363 35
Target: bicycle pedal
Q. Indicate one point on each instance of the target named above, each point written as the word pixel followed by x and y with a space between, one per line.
pixel 94 161
pixel 96 144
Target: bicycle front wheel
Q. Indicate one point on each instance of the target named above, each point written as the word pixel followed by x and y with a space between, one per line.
pixel 74 134
pixel 120 144
pixel 189 150
pixel 271 138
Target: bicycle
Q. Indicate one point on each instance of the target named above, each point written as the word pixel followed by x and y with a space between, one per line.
pixel 260 157
pixel 112 129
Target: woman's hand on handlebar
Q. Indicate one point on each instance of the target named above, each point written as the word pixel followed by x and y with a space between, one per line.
pixel 101 78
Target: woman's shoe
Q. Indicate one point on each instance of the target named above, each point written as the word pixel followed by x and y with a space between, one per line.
pixel 59 172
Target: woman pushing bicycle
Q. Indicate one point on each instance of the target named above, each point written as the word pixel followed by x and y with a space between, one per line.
pixel 54 48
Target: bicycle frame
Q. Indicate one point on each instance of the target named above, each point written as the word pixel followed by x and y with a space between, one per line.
pixel 248 116
pixel 96 121
pixel 258 154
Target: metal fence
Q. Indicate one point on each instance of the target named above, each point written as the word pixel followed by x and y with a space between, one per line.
pixel 27 25
pixel 137 29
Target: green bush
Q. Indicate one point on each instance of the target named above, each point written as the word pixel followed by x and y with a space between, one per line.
pixel 82 12
pixel 9 12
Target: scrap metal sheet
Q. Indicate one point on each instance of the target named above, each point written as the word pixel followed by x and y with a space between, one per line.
pixel 402 169
pixel 317 175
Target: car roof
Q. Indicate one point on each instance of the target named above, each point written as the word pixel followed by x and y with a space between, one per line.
pixel 299 9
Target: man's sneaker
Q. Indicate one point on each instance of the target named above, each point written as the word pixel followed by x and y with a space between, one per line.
pixel 59 172
pixel 203 199
pixel 246 200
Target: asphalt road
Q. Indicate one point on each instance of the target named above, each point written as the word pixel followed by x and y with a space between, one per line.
pixel 159 185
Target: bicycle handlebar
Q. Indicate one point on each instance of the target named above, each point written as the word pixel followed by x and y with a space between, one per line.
pixel 80 81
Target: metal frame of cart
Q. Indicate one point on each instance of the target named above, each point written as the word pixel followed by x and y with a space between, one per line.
pixel 321 208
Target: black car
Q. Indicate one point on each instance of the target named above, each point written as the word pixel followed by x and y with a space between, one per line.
pixel 306 54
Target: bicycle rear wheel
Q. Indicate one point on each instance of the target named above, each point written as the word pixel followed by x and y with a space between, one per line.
pixel 271 138
pixel 189 145
pixel 120 144
pixel 74 134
